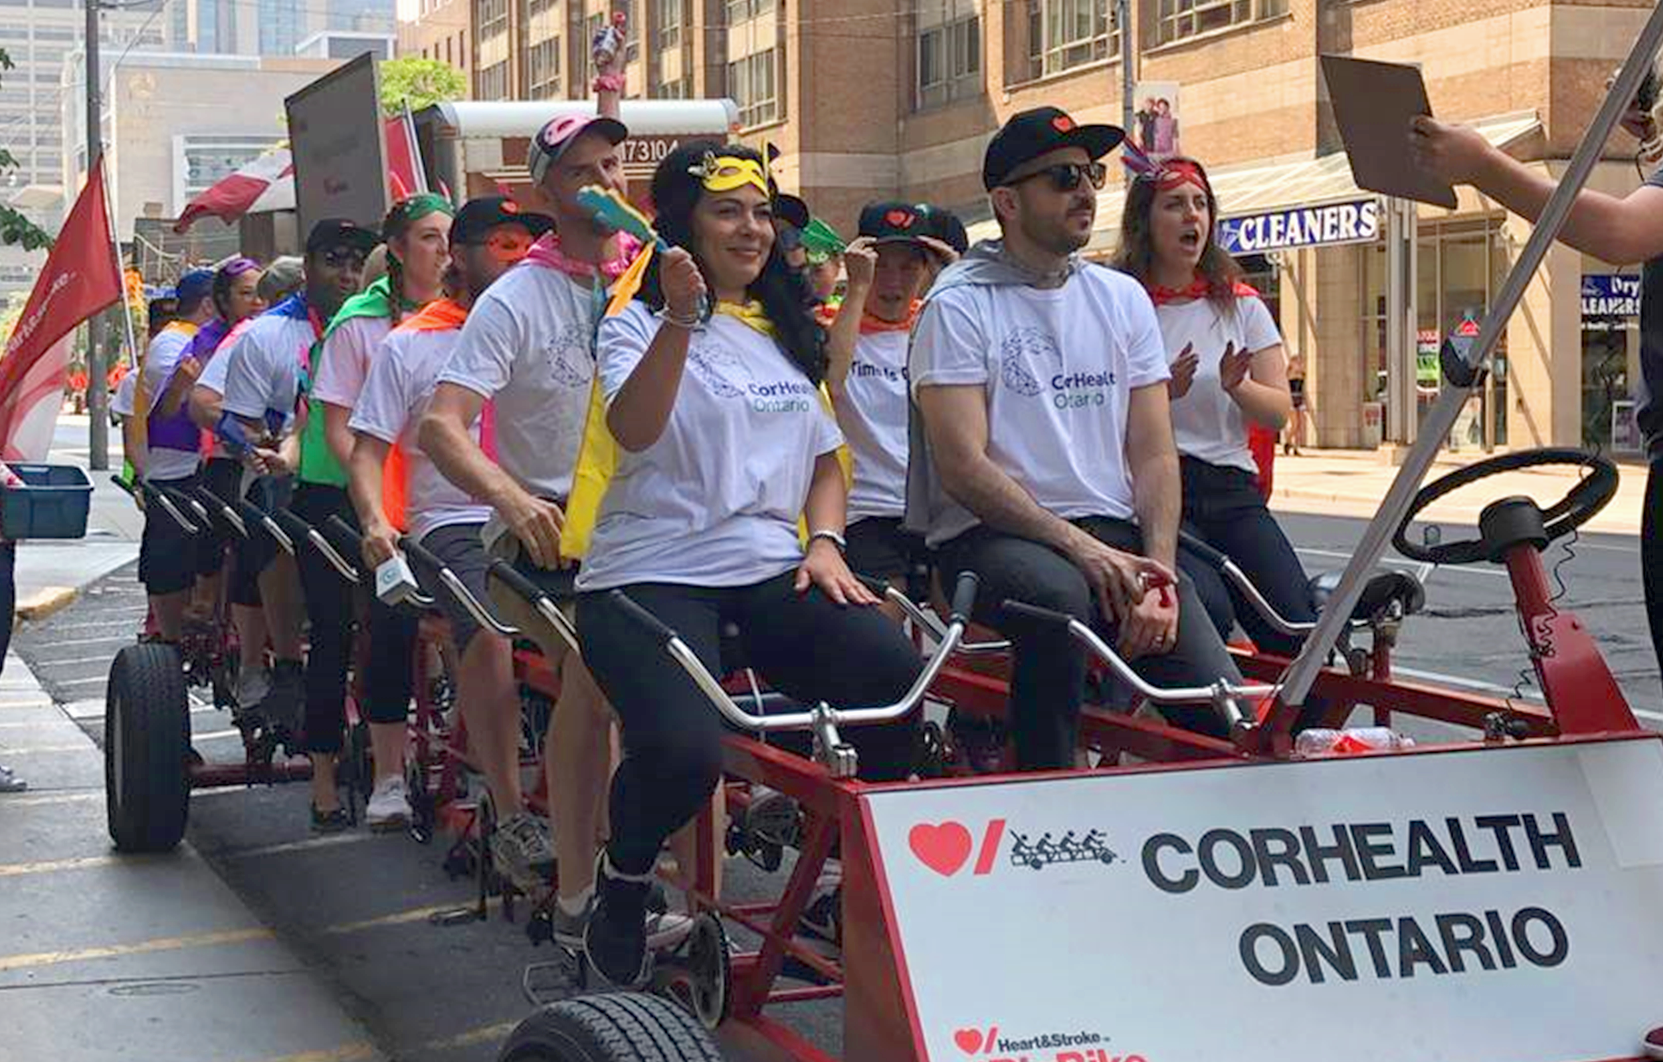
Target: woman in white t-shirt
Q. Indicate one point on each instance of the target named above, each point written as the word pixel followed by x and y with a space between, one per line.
pixel 1228 371
pixel 725 444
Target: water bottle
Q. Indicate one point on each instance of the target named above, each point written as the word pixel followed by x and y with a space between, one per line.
pixel 1315 743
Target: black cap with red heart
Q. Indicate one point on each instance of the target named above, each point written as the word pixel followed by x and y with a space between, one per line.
pixel 894 223
pixel 1030 134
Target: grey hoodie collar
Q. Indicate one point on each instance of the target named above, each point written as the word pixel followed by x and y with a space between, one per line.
pixel 988 265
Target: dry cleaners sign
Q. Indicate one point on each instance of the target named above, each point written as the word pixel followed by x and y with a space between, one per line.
pixel 1278 230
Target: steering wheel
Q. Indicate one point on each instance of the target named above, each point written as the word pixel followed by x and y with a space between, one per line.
pixel 1577 507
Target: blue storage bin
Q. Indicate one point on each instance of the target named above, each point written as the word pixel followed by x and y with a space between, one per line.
pixel 52 503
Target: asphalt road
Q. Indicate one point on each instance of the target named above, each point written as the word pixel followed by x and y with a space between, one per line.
pixel 359 907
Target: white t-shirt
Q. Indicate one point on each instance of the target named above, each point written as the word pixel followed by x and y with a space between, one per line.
pixel 125 392
pixel 345 358
pixel 390 405
pixel 160 359
pixel 1206 422
pixel 264 367
pixel 716 500
pixel 1058 367
pixel 528 345
pixel 873 415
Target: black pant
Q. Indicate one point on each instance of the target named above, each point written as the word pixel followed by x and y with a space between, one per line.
pixel 1223 507
pixel 1651 556
pixel 802 644
pixel 1048 683
pixel 8 595
pixel 387 681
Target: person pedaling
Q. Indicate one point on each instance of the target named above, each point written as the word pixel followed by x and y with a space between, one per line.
pixel 527 349
pixel 272 614
pixel 487 237
pixel 236 297
pixel 889 266
pixel 170 562
pixel 264 389
pixel 416 233
pixel 1228 373
pixel 723 461
pixel 1042 452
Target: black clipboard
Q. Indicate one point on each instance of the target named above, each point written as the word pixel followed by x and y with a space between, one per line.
pixel 1374 104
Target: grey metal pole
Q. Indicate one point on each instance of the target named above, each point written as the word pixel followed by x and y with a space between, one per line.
pixel 1442 416
pixel 1123 15
pixel 98 395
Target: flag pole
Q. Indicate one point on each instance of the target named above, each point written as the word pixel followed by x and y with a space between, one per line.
pixel 126 310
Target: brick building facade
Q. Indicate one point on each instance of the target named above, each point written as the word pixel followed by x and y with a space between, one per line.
pixel 876 98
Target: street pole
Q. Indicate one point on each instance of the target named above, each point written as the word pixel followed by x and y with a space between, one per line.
pixel 98 395
pixel 1123 15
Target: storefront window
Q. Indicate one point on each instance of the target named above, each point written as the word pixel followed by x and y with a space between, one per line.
pixel 1459 266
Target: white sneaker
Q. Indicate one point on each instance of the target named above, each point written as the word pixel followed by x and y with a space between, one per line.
pixel 389 807
pixel 252 688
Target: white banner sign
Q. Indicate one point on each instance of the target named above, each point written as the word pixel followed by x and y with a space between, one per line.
pixel 1502 905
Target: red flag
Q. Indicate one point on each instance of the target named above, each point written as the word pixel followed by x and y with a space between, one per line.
pixel 405 175
pixel 79 279
pixel 267 183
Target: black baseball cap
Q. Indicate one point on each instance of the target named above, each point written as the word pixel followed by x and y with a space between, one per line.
pixel 792 210
pixel 948 228
pixel 1030 134
pixel 892 222
pixel 479 216
pixel 331 233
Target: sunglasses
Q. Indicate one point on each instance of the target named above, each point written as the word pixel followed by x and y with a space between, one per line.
pixel 1067 176
pixel 345 256
pixel 509 246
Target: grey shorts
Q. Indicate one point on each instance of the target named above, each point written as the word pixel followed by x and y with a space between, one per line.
pixel 460 548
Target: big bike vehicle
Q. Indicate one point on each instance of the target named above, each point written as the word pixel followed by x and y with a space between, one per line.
pixel 1489 899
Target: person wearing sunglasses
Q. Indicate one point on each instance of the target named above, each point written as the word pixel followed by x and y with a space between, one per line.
pixel 1229 374
pixel 408 494
pixel 416 240
pixel 263 406
pixel 1045 461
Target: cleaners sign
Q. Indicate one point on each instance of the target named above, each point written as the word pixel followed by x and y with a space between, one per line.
pixel 1497 905
pixel 1610 295
pixel 1337 223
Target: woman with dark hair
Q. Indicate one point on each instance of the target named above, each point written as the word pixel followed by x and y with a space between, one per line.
pixel 725 445
pixel 1228 372
pixel 417 235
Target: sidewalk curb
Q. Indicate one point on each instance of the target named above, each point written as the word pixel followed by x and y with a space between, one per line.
pixel 47 601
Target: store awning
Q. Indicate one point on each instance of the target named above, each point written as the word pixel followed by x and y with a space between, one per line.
pixel 1257 188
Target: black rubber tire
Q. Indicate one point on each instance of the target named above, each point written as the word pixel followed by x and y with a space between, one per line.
pixel 617 1027
pixel 147 748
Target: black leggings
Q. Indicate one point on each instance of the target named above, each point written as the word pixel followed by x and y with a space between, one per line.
pixel 1651 555
pixel 1223 507
pixel 387 681
pixel 803 645
pixel 1048 682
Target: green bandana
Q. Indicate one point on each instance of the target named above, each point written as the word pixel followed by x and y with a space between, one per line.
pixel 821 241
pixel 317 462
pixel 412 209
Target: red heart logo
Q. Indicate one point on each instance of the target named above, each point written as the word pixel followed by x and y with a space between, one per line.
pixel 1062 123
pixel 969 1040
pixel 899 218
pixel 944 848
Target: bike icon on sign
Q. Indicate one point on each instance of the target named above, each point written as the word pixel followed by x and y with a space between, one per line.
pixel 1038 855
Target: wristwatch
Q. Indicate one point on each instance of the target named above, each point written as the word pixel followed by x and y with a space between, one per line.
pixel 830 536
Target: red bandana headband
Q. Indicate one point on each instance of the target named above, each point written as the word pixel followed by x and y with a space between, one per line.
pixel 1167 175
